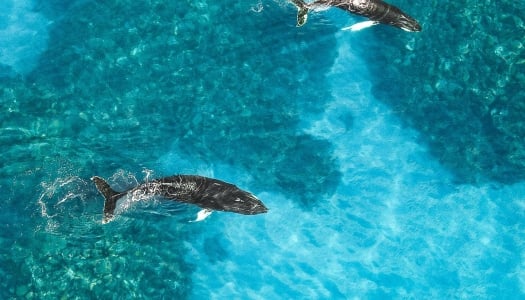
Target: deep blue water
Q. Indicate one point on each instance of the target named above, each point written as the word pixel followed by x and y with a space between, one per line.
pixel 393 163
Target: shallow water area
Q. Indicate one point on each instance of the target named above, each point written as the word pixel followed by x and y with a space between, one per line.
pixel 409 232
pixel 385 176
pixel 23 36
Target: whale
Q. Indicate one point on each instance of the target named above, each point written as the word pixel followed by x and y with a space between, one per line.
pixel 208 193
pixel 377 11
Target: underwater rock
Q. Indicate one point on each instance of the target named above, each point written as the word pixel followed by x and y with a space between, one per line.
pixel 21 290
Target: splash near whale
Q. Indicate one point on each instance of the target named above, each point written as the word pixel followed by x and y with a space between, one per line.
pixel 377 11
pixel 207 193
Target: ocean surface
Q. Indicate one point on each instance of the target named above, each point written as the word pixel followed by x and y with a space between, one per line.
pixel 392 163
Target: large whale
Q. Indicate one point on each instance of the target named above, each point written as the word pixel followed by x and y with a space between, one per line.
pixel 377 11
pixel 208 193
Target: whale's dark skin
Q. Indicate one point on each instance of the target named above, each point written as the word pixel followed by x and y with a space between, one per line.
pixel 375 10
pixel 208 193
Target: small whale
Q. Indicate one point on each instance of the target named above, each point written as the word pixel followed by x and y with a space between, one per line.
pixel 207 193
pixel 377 11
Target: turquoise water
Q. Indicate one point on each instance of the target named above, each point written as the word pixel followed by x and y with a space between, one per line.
pixel 393 163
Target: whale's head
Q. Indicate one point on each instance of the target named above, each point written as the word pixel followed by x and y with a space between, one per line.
pixel 218 195
pixel 406 23
pixel 242 202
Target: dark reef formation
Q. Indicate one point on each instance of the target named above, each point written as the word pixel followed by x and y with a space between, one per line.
pixel 460 83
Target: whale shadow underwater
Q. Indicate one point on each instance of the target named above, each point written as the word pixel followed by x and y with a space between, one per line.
pixel 377 11
pixel 207 193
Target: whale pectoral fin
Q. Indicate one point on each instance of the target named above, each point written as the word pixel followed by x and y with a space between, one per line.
pixel 203 214
pixel 302 12
pixel 302 16
pixel 361 25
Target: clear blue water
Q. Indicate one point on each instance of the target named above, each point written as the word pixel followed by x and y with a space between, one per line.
pixel 393 163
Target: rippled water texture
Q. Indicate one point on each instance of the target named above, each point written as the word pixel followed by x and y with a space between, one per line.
pixel 391 162
pixel 461 85
pixel 120 84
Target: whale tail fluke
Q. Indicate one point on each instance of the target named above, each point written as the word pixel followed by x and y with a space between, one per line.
pixel 302 12
pixel 110 197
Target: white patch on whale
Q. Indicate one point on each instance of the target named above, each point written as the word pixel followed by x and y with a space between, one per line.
pixel 360 25
pixel 203 214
